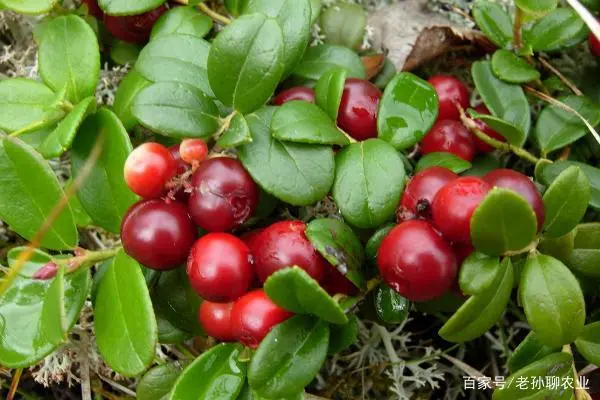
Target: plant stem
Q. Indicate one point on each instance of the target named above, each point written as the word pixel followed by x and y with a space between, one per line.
pixel 214 15
pixel 531 248
pixel 580 393
pixel 517 40
pixel 560 76
pixel 225 124
pixel 14 385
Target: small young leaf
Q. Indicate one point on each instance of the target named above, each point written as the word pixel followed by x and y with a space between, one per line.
pixel 552 299
pixel 550 172
pixel 344 24
pixel 372 246
pixel 494 22
pixel 477 273
pixel 329 91
pixel 588 342
pixel 182 21
pixel 128 7
pixel 536 6
pixel 237 134
pixel 445 160
pixel 513 69
pixel 157 383
pixel 128 89
pixel 512 133
pixel 320 59
pixel 566 201
pixel 557 30
pixel 528 351
pixel 407 111
pixel 342 336
pixel 29 6
pixel 390 306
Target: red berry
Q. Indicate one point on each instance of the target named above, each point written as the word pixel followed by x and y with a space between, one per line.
pixel 594 43
pixel 250 237
pixel 523 185
pixel 416 261
pixel 219 267
pixel 358 109
pixel 454 205
pixel 94 9
pixel 462 251
pixel 422 188
pixel 133 28
pixel 224 196
pixel 449 136
pixel 295 93
pixel 158 234
pixel 451 91
pixel 284 244
pixel 481 146
pixel 336 283
pixel 254 315
pixel 182 166
pixel 193 151
pixel 215 319
pixel 148 168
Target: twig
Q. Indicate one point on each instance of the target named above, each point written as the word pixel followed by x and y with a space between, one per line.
pixel 580 393
pixel 560 76
pixel 466 368
pixel 588 369
pixel 207 10
pixel 225 124
pixel 14 384
pixel 517 41
pixel 84 362
pixel 118 386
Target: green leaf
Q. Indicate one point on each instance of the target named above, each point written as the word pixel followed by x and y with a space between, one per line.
pixel 494 22
pixel 566 201
pixel 182 21
pixel 588 342
pixel 289 357
pixel 504 221
pixel 37 260
pixel 30 191
pixel 52 320
pixel 342 336
pixel 557 30
pixel 550 172
pixel 124 321
pixel 176 58
pixel 29 6
pixel 246 62
pixel 104 194
pixel 528 351
pixel 585 262
pixel 340 246
pixel 62 137
pixel 386 75
pixel 587 236
pixel 69 56
pixel 128 7
pixel 25 336
pixel 297 173
pixel 293 289
pixel 512 133
pixel 316 7
pixel 477 273
pixel 82 219
pixel 552 300
pixel 167 332
pixel 557 128
pixel 442 159
pixel 329 91
pixel 235 7
pixel 177 110
pixel 560 247
pixel 369 179
pixel 157 383
pixel 217 374
pixel 482 165
pixel 237 134
pixel 408 109
pixel 293 16
pixel 390 306
pixel 372 246
pixel 128 89
pixel 480 312
pixel 536 6
pixel 592 5
pixel 344 24
pixel 505 100
pixel 124 53
pixel 320 59
pixel 513 69
pixel 303 122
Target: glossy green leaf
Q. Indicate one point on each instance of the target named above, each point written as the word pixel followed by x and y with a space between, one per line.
pixel 289 357
pixel 482 165
pixel 513 69
pixel 480 312
pixel 157 383
pixel 293 289
pixel 303 122
pixel 329 90
pixel 123 53
pixel 340 246
pixel 585 262
pixel 81 218
pixel 235 7
pixel 536 6
pixel 104 194
pixel 407 110
pixel 217 374
pixel 316 7
pixel 297 173
pixel 528 351
pixel 343 336
pixel 552 299
pixel 69 55
pixel 344 24
pixel 369 179
pixel 30 191
pixel 449 302
pixel 124 321
pixel 391 307
pixel 477 273
pixel 25 338
pixel 246 62
pixel 129 87
pixel 494 22
pixel 566 201
pixel 128 7
pixel 52 320
pixel 386 75
pixel 550 172
pixel 445 160
pixel 587 236
pixel 512 133
pixel 560 247
pixel 372 246
pixel 176 110
pixel 29 6
pixel 182 21
pixel 320 59
pixel 237 134
pixel 504 221
pixel 505 100
pixel 167 332
pixel 557 30
pixel 588 342
pixel 557 128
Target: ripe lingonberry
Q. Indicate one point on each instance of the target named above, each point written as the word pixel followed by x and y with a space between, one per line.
pixel 416 261
pixel 193 151
pixel 423 187
pixel 523 185
pixel 254 315
pixel 133 28
pixel 224 196
pixel 451 91
pixel 336 283
pixel 148 168
pixel 284 244
pixel 358 109
pixel 295 93
pixel 182 166
pixel 594 44
pixel 94 9
pixel 481 146
pixel 215 319
pixel 454 204
pixel 449 136
pixel 158 234
pixel 219 267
